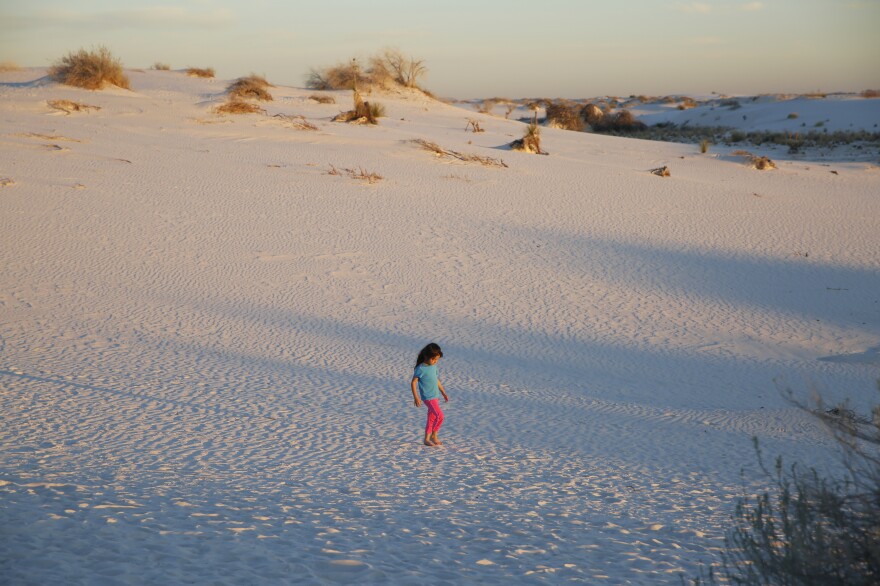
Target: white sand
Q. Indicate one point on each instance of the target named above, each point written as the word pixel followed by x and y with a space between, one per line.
pixel 206 341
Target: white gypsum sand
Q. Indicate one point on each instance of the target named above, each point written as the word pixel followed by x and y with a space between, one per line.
pixel 206 340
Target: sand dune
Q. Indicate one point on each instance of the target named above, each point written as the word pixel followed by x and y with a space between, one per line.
pixel 206 339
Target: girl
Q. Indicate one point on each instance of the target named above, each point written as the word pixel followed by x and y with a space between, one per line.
pixel 426 380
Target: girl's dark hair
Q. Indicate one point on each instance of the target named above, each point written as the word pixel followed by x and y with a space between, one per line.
pixel 429 352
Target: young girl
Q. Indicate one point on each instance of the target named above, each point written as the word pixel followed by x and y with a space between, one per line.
pixel 426 380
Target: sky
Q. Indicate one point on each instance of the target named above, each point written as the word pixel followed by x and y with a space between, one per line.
pixel 480 48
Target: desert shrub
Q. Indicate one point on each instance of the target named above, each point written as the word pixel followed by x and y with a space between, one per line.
pixel 377 110
pixel 8 66
pixel 406 71
pixel 808 529
pixel 207 72
pixel 623 121
pixel 591 114
pixel 238 107
pixel 870 94
pixel 704 146
pixel 793 116
pixel 161 66
pixel 91 70
pixel 564 115
pixel 323 99
pixel 687 103
pixel 251 87
pixel 362 113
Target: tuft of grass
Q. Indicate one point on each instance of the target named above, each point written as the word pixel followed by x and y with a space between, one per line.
pixel 704 146
pixel 90 70
pixel 363 112
pixel 207 72
pixel 322 99
pixel 252 87
pixel 360 174
pixel 69 106
pixel 297 122
pixel 159 66
pixel 531 140
pixel 238 107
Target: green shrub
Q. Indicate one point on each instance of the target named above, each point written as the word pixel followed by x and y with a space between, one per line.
pixel 91 70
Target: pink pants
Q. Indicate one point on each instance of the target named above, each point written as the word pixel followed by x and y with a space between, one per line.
pixel 435 416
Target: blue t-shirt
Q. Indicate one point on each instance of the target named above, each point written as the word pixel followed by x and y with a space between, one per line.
pixel 427 376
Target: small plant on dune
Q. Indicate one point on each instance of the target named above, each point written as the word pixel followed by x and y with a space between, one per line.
pixel 360 174
pixel 870 94
pixel 704 146
pixel 592 114
pixel 161 66
pixel 433 147
pixel 251 87
pixel 531 140
pixel 297 122
pixel 473 125
pixel 91 70
pixel 207 72
pixel 793 116
pixel 238 107
pixel 808 529
pixel 363 112
pixel 387 69
pixel 8 66
pixel 322 99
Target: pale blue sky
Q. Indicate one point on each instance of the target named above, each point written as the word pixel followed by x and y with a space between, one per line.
pixel 474 48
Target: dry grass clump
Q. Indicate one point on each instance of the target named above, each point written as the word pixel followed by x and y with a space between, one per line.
pixel 360 174
pixel 363 112
pixel 322 99
pixel 91 70
pixel 8 66
pixel 386 69
pixel 565 116
pixel 207 72
pixel 159 66
pixel 6 182
pixel 591 114
pixel 252 87
pixel 69 106
pixel 870 94
pixel 759 163
pixel 238 107
pixel 297 122
pixel 661 171
pixel 473 124
pixel 531 140
pixel 464 157
pixel 687 103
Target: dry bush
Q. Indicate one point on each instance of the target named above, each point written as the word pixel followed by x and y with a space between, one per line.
pixel 323 99
pixel 465 157
pixel 687 103
pixel 68 106
pixel 8 66
pixel 363 112
pixel 161 66
pixel 531 140
pixel 592 114
pixel 238 107
pixel 207 72
pixel 870 94
pixel 487 106
pixel 343 76
pixel 251 87
pixel 565 116
pixel 91 70
pixel 406 71
pixel 473 124
pixel 622 121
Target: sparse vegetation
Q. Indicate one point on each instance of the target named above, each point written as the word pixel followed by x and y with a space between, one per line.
pixel 870 94
pixel 158 66
pixel 592 114
pixel 322 99
pixel 473 125
pixel 297 122
pixel 386 69
pixel 618 123
pixel 687 103
pixel 704 146
pixel 661 171
pixel 8 66
pixel 238 107
pixel 207 72
pixel 465 157
pixel 793 116
pixel 808 529
pixel 69 106
pixel 91 70
pixel 252 87
pixel 360 174
pixel 758 162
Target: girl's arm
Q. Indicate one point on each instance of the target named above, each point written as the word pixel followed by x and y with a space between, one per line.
pixel 415 390
pixel 442 390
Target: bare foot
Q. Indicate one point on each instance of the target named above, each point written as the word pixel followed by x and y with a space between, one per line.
pixel 429 443
pixel 436 441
